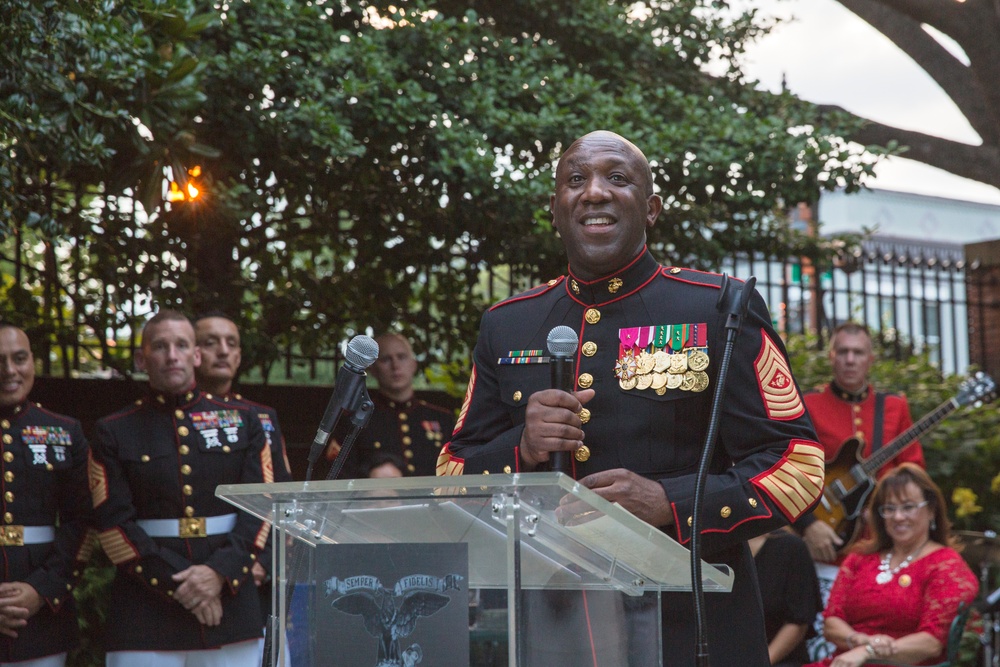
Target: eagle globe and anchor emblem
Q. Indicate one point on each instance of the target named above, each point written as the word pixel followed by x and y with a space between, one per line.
pixel 391 614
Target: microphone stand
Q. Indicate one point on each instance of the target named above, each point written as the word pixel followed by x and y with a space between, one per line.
pixel 360 417
pixel 734 301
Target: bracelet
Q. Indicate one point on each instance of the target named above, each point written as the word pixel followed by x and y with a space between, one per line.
pixel 870 650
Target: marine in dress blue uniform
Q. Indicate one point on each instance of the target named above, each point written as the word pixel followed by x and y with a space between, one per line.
pixel 408 434
pixel 637 433
pixel 153 474
pixel 46 508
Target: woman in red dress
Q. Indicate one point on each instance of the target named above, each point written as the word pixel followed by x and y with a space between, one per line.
pixel 896 596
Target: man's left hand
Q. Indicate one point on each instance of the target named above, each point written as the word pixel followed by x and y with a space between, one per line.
pixel 642 497
pixel 198 583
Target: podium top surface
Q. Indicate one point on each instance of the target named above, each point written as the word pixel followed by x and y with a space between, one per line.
pixel 565 532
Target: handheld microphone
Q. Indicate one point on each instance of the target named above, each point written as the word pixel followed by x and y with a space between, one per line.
pixel 562 343
pixel 348 392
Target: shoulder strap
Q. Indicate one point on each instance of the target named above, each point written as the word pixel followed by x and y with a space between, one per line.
pixel 879 420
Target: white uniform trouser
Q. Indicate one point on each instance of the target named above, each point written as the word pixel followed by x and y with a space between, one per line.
pixel 57 660
pixel 243 654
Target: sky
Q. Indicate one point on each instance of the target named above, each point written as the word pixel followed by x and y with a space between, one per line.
pixel 829 55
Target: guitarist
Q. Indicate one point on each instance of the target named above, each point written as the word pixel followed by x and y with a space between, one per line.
pixel 843 409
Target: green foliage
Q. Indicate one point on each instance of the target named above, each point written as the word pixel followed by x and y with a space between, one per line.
pixel 364 163
pixel 91 596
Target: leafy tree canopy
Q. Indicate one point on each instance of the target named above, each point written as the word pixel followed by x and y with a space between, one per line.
pixel 366 164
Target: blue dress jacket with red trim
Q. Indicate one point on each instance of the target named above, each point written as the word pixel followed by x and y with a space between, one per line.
pixel 163 458
pixel 767 468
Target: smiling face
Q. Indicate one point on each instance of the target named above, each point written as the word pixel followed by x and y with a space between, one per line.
pixel 908 530
pixel 17 367
pixel 218 340
pixel 603 204
pixel 169 355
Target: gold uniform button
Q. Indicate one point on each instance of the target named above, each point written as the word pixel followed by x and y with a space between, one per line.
pixel 138 569
pixel 188 511
pixel 589 348
pixel 8 517
pixel 407 440
pixel 403 416
pixel 486 472
pixel 584 415
pixel 506 470
pixel 236 583
pixel 154 581
pixel 517 396
pixel 8 476
pixel 752 501
pixel 377 445
pixel 552 282
pixel 585 380
pixel 144 458
pixel 408 453
pixel 185 469
pixel 183 431
pixel 690 521
pixel 69 587
pixel 4 424
pixel 55 601
pixel 859 435
pixel 856 408
pixel 187 490
pixel 405 428
pixel 675 271
pixel 582 454
pixel 725 512
pixel 593 316
pixel 226 449
pixel 410 467
pixel 170 594
pixel 858 422
pixel 8 438
pixel 245 569
pixel 9 496
pixel 49 466
pixel 8 457
pixel 183 449
pixel 179 414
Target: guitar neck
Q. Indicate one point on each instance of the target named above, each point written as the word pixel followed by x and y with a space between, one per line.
pixel 873 463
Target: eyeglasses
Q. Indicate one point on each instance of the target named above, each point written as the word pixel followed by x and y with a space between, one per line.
pixel 907 510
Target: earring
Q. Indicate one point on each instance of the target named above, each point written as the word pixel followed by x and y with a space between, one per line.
pixel 933 524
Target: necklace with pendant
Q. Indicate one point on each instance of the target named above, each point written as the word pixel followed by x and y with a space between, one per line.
pixel 885 574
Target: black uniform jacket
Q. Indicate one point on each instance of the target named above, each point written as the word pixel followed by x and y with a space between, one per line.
pixel 163 458
pixel 407 433
pixel 767 469
pixel 44 481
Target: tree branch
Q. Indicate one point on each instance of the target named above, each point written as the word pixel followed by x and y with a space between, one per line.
pixel 901 23
pixel 975 162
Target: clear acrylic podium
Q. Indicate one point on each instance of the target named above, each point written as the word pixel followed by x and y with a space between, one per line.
pixel 528 536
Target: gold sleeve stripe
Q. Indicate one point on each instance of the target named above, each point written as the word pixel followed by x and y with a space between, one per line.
pixel 265 531
pixel 98 479
pixel 465 403
pixel 796 480
pixel 781 397
pixel 118 549
pixel 267 463
pixel 448 465
pixel 87 545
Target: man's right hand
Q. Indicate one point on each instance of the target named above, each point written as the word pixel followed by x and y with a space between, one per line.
pixel 552 424
pixel 822 542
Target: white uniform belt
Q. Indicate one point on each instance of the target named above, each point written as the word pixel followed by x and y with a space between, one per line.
pixel 16 536
pixel 189 526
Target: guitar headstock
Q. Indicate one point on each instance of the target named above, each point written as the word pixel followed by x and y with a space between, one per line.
pixel 976 390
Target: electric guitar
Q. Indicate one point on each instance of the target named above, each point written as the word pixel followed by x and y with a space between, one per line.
pixel 850 479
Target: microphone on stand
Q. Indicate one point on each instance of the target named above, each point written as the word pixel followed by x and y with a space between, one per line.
pixel 562 343
pixel 348 392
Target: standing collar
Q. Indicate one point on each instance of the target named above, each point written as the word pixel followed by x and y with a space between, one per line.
pixel 845 395
pixel 14 410
pixel 616 285
pixel 160 399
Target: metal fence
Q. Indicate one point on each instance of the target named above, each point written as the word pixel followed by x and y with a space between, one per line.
pixel 915 295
